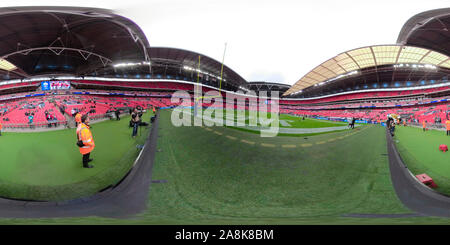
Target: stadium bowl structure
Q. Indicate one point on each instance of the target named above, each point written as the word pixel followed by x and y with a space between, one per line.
pixel 318 169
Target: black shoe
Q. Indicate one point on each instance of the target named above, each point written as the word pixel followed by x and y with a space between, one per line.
pixel 90 160
pixel 88 166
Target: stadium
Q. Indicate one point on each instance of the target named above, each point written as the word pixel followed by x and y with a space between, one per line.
pixel 319 167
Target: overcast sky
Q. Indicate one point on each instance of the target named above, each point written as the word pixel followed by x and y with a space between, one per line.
pixel 274 41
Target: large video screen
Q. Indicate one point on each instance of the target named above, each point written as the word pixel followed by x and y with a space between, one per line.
pixel 55 85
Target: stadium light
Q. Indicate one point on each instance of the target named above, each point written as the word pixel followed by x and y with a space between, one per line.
pixel 36 79
pixel 202 72
pixel 129 64
pixel 340 76
pixel 245 89
pixel 416 66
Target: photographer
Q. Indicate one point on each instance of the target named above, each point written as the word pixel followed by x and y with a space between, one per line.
pixel 135 121
pixel 117 112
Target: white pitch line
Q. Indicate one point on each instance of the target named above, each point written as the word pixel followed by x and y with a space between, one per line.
pixel 248 142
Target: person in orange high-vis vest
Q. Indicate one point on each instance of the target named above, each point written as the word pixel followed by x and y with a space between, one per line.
pixel 1 128
pixel 154 110
pixel 424 125
pixel 85 136
pixel 78 119
pixel 447 126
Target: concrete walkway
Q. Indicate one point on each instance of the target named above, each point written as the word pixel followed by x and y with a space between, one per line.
pixel 412 193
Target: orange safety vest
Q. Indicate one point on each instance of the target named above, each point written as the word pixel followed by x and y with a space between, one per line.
pixel 424 124
pixel 78 118
pixel 0 126
pixel 85 135
pixel 447 124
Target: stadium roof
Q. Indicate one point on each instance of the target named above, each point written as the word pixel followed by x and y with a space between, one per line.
pixel 254 83
pixel 68 40
pixel 429 30
pixel 349 63
pixel 190 59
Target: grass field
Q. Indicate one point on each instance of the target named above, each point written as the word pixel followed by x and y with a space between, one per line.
pixel 221 175
pixel 48 166
pixel 287 121
pixel 241 175
pixel 420 152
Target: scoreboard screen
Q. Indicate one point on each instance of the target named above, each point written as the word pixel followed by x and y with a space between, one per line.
pixel 55 85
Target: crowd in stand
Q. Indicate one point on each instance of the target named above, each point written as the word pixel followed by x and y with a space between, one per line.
pixel 49 110
pixel 46 107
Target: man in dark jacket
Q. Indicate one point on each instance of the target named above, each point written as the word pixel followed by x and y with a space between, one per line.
pixel 117 112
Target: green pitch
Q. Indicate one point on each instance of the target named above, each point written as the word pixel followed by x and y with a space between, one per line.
pixel 298 122
pixel 420 152
pixel 286 120
pixel 48 166
pixel 220 175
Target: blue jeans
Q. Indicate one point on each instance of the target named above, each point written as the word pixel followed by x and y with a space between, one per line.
pixel 392 130
pixel 135 129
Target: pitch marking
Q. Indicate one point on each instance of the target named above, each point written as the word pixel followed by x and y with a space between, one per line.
pixel 248 142
pixel 267 145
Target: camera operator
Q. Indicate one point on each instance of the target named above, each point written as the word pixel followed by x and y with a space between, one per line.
pixel 135 121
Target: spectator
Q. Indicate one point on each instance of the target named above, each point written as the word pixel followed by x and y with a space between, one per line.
pixel 30 120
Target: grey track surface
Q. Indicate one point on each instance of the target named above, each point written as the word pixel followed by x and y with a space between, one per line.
pixel 413 194
pixel 123 201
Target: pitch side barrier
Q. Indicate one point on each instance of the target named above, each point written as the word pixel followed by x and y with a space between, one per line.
pixel 34 125
pixel 45 124
pixel 340 119
pixel 435 126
